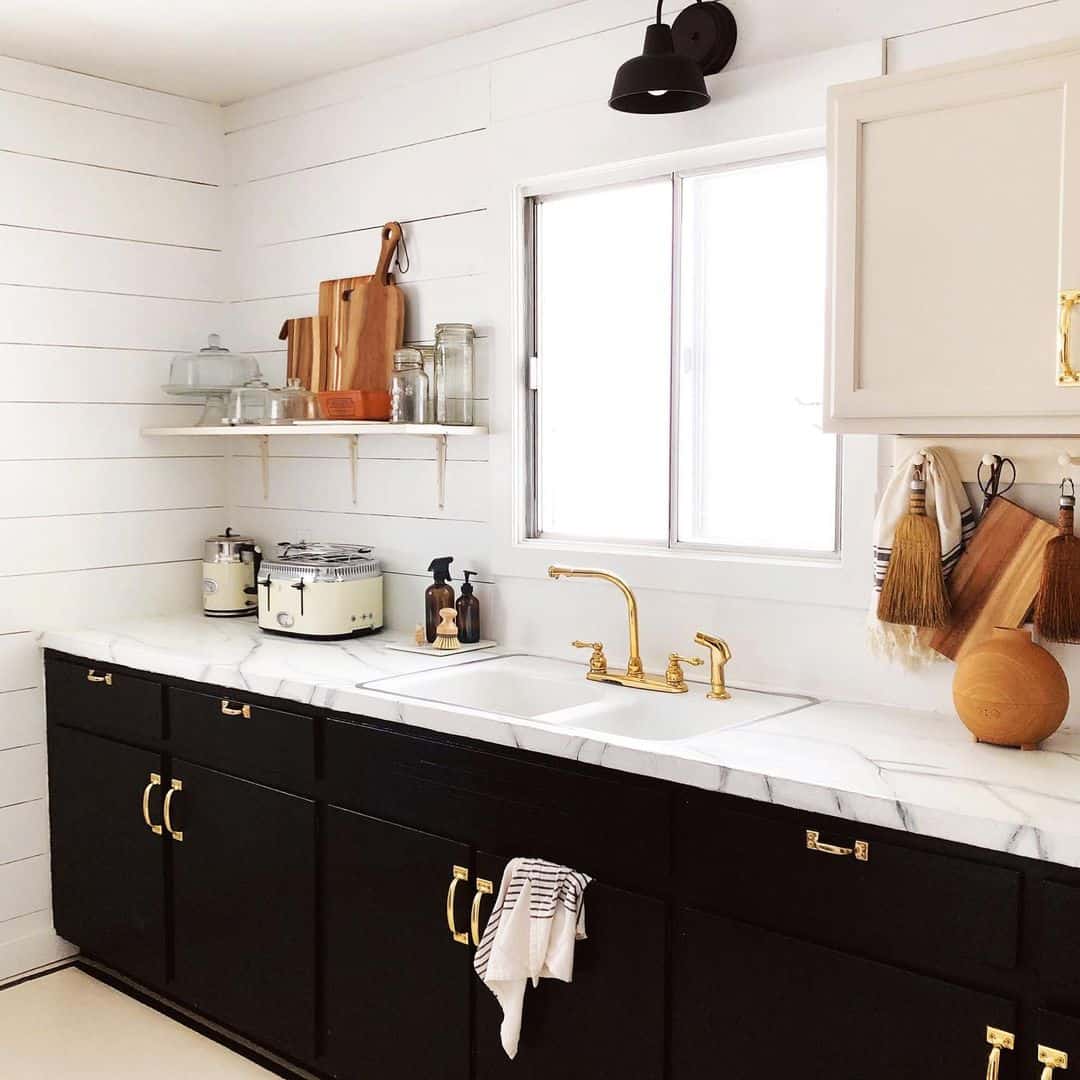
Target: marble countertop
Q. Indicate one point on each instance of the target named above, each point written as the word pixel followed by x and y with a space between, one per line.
pixel 913 771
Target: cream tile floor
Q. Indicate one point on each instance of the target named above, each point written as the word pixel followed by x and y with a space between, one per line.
pixel 69 1025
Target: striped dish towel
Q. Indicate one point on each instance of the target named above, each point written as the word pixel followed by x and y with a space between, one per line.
pixel 947 501
pixel 536 920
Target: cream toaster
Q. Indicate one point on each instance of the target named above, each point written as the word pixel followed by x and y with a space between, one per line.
pixel 322 591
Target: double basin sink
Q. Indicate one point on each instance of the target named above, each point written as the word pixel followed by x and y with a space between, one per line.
pixel 556 693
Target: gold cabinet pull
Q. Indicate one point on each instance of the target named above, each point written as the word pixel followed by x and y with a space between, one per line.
pixel 460 874
pixel 861 850
pixel 155 781
pixel 1067 374
pixel 228 710
pixel 483 888
pixel 998 1040
pixel 1052 1059
pixel 93 676
pixel 174 787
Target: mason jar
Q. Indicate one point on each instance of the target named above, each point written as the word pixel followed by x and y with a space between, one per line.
pixel 408 388
pixel 454 373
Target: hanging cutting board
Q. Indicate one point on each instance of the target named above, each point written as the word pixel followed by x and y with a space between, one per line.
pixel 365 322
pixel 996 579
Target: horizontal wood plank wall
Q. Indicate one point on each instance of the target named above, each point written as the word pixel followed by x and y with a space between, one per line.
pixel 111 225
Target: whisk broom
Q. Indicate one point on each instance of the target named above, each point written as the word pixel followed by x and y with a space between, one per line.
pixel 914 591
pixel 1057 607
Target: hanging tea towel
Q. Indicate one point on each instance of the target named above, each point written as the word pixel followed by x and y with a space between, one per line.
pixel 537 918
pixel 947 501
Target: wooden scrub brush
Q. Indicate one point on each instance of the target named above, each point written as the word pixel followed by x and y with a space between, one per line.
pixel 1057 607
pixel 914 592
pixel 446 633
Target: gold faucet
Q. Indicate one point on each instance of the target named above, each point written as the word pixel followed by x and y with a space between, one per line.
pixel 719 655
pixel 635 674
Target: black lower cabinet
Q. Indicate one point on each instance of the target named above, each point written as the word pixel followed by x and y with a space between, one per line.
pixel 107 862
pixel 610 1020
pixel 397 983
pixel 746 1001
pixel 243 888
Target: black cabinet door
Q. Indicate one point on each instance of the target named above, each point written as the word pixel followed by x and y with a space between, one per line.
pixel 610 1020
pixel 108 875
pixel 244 883
pixel 747 1002
pixel 396 982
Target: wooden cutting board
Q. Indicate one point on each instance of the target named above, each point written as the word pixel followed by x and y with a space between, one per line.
pixel 365 322
pixel 309 359
pixel 996 579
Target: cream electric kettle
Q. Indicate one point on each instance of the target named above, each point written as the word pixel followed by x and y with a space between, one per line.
pixel 230 568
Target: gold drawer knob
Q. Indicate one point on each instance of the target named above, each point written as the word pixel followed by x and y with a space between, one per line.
pixel 228 709
pixel 460 873
pixel 483 888
pixel 155 781
pixel 166 811
pixel 998 1040
pixel 861 850
pixel 93 676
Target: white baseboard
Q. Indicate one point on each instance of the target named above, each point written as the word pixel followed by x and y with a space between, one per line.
pixel 33 954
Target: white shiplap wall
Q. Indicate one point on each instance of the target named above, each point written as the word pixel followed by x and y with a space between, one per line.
pixel 437 139
pixel 111 226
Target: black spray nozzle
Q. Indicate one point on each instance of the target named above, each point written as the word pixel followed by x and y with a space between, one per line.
pixel 441 568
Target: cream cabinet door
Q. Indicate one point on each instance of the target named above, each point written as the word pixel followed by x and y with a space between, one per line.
pixel 955 223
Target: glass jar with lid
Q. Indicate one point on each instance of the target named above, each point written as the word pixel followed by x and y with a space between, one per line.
pixel 290 403
pixel 454 373
pixel 408 388
pixel 249 404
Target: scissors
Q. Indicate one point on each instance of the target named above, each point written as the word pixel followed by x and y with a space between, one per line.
pixel 991 486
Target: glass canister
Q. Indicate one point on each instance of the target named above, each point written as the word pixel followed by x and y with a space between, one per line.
pixel 408 388
pixel 427 355
pixel 291 403
pixel 454 373
pixel 249 404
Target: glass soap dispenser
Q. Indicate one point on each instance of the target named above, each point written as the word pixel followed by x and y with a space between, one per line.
pixel 408 388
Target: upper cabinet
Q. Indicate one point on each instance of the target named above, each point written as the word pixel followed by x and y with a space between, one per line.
pixel 955 231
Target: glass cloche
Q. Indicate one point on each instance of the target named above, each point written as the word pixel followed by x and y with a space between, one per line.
pixel 213 368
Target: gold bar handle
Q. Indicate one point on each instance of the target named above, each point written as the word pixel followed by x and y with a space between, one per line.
pixel 228 710
pixel 174 787
pixel 460 874
pixel 998 1040
pixel 1067 374
pixel 1052 1059
pixel 861 850
pixel 483 888
pixel 93 676
pixel 155 781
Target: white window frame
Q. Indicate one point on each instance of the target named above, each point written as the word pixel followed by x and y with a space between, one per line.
pixel 834 580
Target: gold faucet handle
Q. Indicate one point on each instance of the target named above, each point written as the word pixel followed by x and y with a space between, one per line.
pixel 598 661
pixel 674 674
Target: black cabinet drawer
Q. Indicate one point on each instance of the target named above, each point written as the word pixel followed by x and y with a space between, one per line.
pixel 610 828
pixel 746 1002
pixel 94 697
pixel 912 906
pixel 1058 957
pixel 232 734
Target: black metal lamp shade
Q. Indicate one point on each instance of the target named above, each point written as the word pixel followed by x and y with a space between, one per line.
pixel 669 80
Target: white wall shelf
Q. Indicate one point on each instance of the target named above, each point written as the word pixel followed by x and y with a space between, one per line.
pixel 351 430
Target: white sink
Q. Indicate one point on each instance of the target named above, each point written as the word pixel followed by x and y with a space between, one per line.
pixel 556 692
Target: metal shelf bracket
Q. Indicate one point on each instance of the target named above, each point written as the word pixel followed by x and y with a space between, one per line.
pixel 440 470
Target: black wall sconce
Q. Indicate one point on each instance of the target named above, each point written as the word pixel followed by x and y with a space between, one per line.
pixel 669 76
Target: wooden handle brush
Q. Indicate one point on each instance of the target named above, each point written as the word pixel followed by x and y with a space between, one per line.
pixel 1057 607
pixel 914 591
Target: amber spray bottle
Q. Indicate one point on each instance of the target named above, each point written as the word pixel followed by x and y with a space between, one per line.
pixel 468 612
pixel 437 596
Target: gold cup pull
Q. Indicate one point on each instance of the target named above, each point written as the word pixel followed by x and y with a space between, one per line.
pixel 166 811
pixel 155 781
pixel 998 1040
pixel 93 676
pixel 1052 1059
pixel 1067 375
pixel 460 874
pixel 483 888
pixel 597 661
pixel 861 850
pixel 228 710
